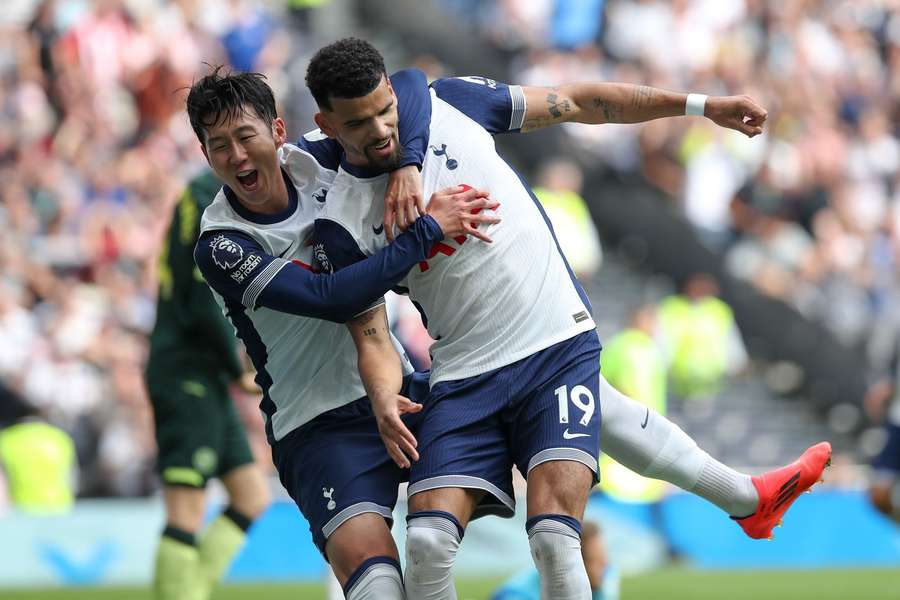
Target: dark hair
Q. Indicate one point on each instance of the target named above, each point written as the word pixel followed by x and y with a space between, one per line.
pixel 217 98
pixel 347 68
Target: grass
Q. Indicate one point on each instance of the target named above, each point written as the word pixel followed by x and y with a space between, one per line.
pixel 670 584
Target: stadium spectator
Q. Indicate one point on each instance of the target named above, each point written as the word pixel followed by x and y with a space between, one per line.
pixel 558 188
pixel 701 338
pixel 38 458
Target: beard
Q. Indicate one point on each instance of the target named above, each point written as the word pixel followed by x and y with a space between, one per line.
pixel 388 163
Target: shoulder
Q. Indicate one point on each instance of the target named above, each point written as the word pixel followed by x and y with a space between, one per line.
pixel 223 249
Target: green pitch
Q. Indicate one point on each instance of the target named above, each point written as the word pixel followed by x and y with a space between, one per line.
pixel 671 584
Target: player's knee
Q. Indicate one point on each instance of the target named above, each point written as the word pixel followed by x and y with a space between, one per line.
pixel 248 492
pixel 184 507
pixel 252 503
pixel 432 539
pixel 348 548
pixel 555 542
pixel 377 578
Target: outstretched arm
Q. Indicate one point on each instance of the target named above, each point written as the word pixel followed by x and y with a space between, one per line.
pixel 601 102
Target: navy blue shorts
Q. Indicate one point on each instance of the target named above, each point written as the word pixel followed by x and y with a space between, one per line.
pixel 888 460
pixel 541 408
pixel 336 467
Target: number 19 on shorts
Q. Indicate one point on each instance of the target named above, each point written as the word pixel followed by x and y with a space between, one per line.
pixel 581 397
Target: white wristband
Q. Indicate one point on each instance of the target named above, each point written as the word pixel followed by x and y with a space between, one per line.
pixel 695 105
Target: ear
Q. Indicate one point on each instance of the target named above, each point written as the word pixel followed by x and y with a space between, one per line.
pixel 279 132
pixel 323 124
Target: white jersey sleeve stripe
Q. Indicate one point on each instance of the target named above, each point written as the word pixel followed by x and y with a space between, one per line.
pixel 259 283
pixel 517 115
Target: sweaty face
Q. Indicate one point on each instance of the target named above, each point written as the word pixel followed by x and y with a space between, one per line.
pixel 366 127
pixel 243 153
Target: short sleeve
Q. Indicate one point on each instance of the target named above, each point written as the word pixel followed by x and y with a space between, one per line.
pixel 498 107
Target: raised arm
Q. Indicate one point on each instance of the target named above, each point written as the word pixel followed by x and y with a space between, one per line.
pixel 602 102
pixel 382 375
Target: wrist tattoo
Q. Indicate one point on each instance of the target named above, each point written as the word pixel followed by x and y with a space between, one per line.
pixel 642 96
pixel 371 331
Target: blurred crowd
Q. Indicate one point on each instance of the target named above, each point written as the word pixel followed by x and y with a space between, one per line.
pixel 94 149
pixel 810 211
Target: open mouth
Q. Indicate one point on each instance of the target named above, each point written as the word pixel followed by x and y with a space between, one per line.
pixel 248 178
pixel 382 147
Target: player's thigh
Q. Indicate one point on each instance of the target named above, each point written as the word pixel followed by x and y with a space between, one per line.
pixel 247 490
pixel 336 468
pixel 558 421
pixel 459 502
pixel 463 450
pixel 357 539
pixel 189 430
pixel 559 487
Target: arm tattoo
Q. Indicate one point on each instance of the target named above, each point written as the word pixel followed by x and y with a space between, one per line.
pixel 557 107
pixel 642 96
pixel 365 318
pixel 612 111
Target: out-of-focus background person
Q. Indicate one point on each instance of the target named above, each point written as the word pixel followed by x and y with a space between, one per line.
pixel 602 574
pixel 748 287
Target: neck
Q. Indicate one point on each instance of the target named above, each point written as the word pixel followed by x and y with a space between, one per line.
pixel 277 202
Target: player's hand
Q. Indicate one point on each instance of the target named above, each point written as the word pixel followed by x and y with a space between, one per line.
pixel 404 200
pixel 398 439
pixel 740 113
pixel 459 210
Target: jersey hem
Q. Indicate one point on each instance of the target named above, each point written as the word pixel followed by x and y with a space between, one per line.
pixel 439 374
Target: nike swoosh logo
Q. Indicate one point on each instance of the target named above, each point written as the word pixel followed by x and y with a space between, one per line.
pixel 378 230
pixel 285 251
pixel 646 418
pixel 572 436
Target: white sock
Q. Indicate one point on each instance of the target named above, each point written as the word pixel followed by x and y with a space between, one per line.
pixel 651 445
pixel 556 550
pixel 432 540
pixel 376 579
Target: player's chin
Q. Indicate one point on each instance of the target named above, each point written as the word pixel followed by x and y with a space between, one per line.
pixel 385 163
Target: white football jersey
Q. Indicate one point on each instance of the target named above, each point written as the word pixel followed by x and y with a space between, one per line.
pixel 486 305
pixel 308 366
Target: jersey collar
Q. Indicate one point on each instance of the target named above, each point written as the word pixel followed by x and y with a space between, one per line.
pixel 359 172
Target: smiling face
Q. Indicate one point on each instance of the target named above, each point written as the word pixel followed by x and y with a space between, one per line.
pixel 366 127
pixel 242 150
